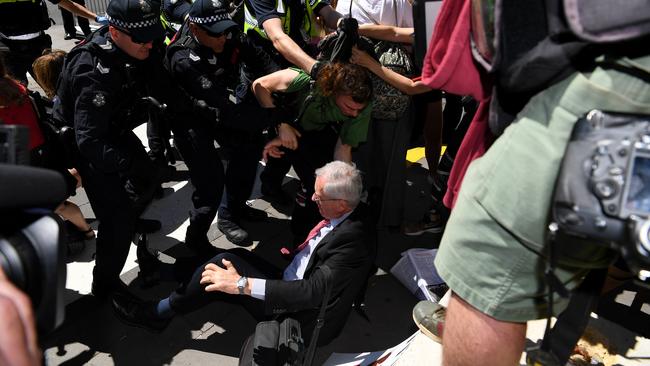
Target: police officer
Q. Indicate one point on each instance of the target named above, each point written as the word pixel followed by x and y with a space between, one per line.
pixel 204 61
pixel 22 36
pixel 281 31
pixel 102 93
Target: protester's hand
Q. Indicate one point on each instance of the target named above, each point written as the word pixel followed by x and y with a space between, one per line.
pixel 219 279
pixel 362 58
pixel 18 344
pixel 288 135
pixel 272 149
pixel 101 19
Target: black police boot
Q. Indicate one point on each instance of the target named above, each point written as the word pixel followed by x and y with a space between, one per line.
pixel 103 290
pixel 148 263
pixel 233 232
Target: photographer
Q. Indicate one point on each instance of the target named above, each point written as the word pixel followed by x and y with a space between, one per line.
pixel 18 343
pixel 506 203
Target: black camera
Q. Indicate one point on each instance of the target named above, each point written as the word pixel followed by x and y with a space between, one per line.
pixel 31 236
pixel 602 194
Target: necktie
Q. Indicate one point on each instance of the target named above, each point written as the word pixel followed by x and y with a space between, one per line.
pixel 311 235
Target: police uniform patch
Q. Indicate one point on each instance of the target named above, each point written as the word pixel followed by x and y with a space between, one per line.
pixel 212 60
pixel 205 82
pixel 194 57
pixel 102 69
pixel 145 6
pixel 99 99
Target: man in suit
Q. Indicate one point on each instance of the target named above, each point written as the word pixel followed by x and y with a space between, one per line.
pixel 340 242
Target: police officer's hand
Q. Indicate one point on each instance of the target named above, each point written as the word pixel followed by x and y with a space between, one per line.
pixel 272 149
pixel 288 135
pixel 101 19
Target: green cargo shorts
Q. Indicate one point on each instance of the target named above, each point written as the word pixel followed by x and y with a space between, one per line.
pixel 490 251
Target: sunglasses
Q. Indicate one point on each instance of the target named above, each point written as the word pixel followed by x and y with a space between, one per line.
pixel 134 38
pixel 227 34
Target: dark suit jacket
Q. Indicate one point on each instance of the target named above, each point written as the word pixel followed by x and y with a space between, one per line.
pixel 349 251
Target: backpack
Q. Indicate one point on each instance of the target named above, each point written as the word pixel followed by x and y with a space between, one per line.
pixel 527 46
pixel 388 101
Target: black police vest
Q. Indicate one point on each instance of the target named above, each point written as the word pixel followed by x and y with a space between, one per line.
pixel 23 16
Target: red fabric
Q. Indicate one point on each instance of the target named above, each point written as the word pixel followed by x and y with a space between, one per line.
pixel 23 114
pixel 311 235
pixel 449 66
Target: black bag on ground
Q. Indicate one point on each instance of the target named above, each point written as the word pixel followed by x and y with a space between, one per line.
pixel 280 342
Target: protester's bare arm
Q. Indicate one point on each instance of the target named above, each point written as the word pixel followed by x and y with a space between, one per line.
pixel 18 344
pixel 277 81
pixel 286 46
pixel 387 33
pixel 401 82
pixel 77 9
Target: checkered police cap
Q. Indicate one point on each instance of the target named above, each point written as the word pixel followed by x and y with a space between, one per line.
pixel 139 17
pixel 212 15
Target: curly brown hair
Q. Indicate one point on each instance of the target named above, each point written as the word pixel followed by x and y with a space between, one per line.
pixel 47 69
pixel 345 79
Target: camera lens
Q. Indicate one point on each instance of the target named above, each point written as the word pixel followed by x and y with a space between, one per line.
pixel 20 263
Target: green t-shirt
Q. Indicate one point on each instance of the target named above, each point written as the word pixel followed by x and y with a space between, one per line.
pixel 322 111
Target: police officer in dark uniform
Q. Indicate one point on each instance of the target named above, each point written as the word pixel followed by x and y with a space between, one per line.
pixel 204 60
pixel 22 36
pixel 102 93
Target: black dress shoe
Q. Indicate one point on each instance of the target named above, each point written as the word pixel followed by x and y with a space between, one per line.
pixel 233 232
pixel 147 226
pixel 253 214
pixel 140 314
pixel 69 36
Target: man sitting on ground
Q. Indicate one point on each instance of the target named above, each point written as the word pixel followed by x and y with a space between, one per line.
pixel 340 242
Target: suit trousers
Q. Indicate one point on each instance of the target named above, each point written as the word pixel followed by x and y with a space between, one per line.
pixel 193 296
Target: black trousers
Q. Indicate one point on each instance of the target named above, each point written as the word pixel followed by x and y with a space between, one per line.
pixel 196 145
pixel 20 55
pixel 117 204
pixel 315 149
pixel 68 21
pixel 193 296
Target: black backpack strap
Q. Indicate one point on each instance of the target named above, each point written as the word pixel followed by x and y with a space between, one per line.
pixel 309 355
pixel 559 342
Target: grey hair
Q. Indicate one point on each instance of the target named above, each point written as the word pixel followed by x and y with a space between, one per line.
pixel 343 181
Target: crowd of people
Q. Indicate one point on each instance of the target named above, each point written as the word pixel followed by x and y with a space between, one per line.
pixel 265 88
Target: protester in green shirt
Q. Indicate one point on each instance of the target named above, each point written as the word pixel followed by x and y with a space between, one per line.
pixel 317 122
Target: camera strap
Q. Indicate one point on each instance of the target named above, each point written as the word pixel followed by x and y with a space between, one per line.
pixel 559 341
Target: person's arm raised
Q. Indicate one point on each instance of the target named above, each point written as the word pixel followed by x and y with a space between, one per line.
pixel 286 46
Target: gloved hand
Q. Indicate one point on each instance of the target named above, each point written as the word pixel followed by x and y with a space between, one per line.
pixel 348 25
pixel 315 70
pixel 101 19
pixel 205 111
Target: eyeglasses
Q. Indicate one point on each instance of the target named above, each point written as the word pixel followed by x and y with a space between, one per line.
pixel 317 199
pixel 133 37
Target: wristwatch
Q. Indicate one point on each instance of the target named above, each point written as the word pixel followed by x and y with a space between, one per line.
pixel 241 284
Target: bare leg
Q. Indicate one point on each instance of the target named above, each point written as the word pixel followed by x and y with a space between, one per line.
pixel 71 212
pixel 473 338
